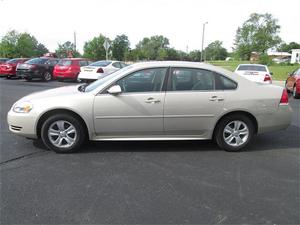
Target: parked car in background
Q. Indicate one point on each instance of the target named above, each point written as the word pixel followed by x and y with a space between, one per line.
pixel 255 72
pixel 3 60
pixel 292 83
pixel 37 68
pixel 154 101
pixel 8 69
pixel 69 68
pixel 98 70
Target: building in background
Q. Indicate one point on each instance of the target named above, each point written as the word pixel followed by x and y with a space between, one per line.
pixel 295 56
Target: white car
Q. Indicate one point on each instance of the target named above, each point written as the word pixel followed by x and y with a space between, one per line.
pixel 98 70
pixel 255 72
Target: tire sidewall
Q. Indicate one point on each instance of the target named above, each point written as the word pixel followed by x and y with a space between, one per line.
pixel 45 76
pixel 69 118
pixel 224 122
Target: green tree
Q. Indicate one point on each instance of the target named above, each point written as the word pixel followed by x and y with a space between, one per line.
pixel 94 49
pixel 258 33
pixel 8 44
pixel 15 44
pixel 215 51
pixel 63 50
pixel 149 47
pixel 120 46
pixel 284 47
pixel 195 56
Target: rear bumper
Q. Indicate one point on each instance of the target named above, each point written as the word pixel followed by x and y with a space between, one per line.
pixel 70 75
pixel 279 120
pixel 7 73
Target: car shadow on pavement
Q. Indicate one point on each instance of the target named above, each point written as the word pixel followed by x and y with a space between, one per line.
pixel 287 139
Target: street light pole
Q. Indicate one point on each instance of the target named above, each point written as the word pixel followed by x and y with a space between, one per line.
pixel 203 40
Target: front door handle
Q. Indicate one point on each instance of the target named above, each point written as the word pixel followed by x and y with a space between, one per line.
pixel 216 98
pixel 152 100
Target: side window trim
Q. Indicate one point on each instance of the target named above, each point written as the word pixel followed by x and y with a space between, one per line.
pixel 163 89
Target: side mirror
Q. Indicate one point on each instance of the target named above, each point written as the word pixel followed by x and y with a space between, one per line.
pixel 114 90
pixel 271 73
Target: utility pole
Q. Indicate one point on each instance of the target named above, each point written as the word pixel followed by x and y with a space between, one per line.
pixel 203 58
pixel 74 41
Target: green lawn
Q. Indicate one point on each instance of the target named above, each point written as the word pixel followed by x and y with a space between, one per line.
pixel 280 72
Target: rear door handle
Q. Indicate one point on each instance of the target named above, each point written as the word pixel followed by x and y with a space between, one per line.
pixel 216 98
pixel 152 100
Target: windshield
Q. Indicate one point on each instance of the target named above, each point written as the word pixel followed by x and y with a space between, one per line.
pixel 253 68
pixel 101 63
pixel 37 61
pixel 99 82
pixel 65 62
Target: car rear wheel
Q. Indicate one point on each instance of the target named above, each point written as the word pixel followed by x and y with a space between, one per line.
pixel 295 94
pixel 47 76
pixel 234 132
pixel 8 77
pixel 63 133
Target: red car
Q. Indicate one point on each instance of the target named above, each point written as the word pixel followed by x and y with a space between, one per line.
pixel 292 83
pixel 8 69
pixel 69 68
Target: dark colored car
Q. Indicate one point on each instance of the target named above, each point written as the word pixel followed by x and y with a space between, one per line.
pixel 69 68
pixel 292 83
pixel 3 60
pixel 8 69
pixel 37 68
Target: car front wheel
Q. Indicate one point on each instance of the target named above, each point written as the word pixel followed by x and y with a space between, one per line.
pixel 63 133
pixel 234 132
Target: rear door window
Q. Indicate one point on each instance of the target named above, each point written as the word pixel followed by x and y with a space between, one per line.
pixel 117 65
pixel 83 63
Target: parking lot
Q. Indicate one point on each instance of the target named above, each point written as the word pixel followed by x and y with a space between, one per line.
pixel 147 182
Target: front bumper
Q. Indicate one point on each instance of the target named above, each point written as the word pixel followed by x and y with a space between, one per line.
pixel 23 124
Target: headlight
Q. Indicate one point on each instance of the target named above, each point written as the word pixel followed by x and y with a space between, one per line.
pixel 23 107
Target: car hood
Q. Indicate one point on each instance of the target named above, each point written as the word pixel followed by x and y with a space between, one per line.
pixel 56 92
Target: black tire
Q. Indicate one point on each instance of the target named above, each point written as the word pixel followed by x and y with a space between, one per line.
pixel 220 138
pixel 28 78
pixel 8 77
pixel 78 139
pixel 47 76
pixel 295 94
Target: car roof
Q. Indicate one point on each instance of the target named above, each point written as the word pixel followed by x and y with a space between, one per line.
pixel 251 64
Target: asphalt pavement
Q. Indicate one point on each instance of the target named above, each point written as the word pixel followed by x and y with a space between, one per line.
pixel 190 182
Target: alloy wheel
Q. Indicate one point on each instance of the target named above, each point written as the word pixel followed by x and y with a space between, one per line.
pixel 236 133
pixel 62 134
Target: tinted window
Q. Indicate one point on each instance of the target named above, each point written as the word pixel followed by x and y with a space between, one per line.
pixel 37 61
pixel 52 62
pixel 123 64
pixel 65 62
pixel 13 61
pixel 148 80
pixel 187 79
pixel 83 63
pixel 117 65
pixel 101 63
pixel 252 67
pixel 224 83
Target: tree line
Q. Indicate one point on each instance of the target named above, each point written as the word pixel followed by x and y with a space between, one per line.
pixel 258 34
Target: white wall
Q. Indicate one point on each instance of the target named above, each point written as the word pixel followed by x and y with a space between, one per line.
pixel 295 56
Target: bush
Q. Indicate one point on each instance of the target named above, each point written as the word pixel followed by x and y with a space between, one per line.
pixel 265 59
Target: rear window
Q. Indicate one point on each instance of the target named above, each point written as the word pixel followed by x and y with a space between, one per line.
pixel 252 68
pixel 101 63
pixel 13 61
pixel 37 61
pixel 65 62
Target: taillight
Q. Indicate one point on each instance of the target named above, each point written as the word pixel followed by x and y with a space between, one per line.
pixel 284 97
pixel 267 78
pixel 100 70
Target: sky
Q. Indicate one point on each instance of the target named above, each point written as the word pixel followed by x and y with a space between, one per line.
pixel 181 21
